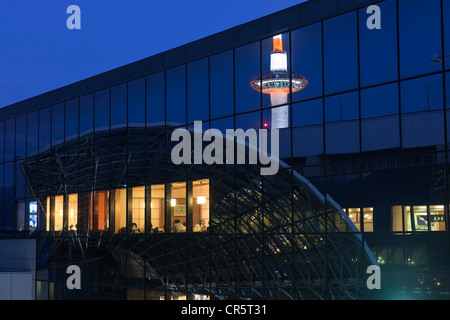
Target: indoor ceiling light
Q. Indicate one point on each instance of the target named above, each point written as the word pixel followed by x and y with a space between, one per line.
pixel 201 199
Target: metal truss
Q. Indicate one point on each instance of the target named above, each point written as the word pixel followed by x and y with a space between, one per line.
pixel 270 237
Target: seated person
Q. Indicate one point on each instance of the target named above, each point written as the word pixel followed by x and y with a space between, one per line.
pixel 203 225
pixel 134 228
pixel 178 226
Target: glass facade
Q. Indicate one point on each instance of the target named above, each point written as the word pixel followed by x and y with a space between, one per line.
pixel 369 131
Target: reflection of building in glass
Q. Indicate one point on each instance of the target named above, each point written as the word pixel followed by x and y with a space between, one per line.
pixel 277 83
pixel 200 222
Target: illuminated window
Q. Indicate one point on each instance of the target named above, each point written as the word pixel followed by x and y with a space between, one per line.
pixel 73 211
pixel 355 216
pixel 58 213
pixel 401 221
pixel 47 213
pixel 437 218
pixel 33 215
pixel 98 207
pixel 101 210
pixel 157 208
pixel 120 206
pixel 201 205
pixel 138 208
pixel 178 207
pixel 422 218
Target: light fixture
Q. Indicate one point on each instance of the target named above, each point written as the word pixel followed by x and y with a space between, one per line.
pixel 71 212
pixel 61 212
pixel 201 199
pixel 173 202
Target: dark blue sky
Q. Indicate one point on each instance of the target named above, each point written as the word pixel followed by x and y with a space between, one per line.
pixel 38 53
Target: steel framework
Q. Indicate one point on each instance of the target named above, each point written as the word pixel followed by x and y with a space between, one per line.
pixel 270 237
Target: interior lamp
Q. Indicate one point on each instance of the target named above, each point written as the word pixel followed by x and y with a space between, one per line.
pixel 201 199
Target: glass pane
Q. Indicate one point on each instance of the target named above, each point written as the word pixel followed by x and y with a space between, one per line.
pixel 1 183
pixel 368 219
pixel 136 102
pixel 248 121
pixel 2 142
pixel 222 124
pixel 201 205
pixel 32 133
pixel 342 137
pixel 422 94
pixel 71 130
pixel 340 53
pixel 73 211
pixel 307 59
pixel 20 216
pixel 84 220
pixel 33 214
pixel 221 84
pixel 156 99
pixel 446 13
pixel 379 101
pixel 44 129
pixel 157 207
pixel 420 43
pixel 401 220
pixel 8 218
pixel 423 129
pixel 380 133
pixel 21 137
pixel 437 216
pixel 120 210
pixel 47 215
pixel 102 110
pixel 176 96
pixel 247 66
pixel 57 124
pixel 308 141
pixel 198 91
pixel 420 218
pixel 342 107
pixel 307 113
pixel 119 106
pixel 86 114
pixel 378 47
pixel 58 213
pixel 19 182
pixel 9 139
pixel 101 210
pixel 138 210
pixel 178 207
pixel 355 216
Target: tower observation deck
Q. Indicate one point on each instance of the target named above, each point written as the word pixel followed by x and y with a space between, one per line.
pixel 277 83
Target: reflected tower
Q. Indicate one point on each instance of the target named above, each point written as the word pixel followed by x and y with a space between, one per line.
pixel 276 82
